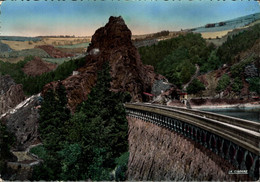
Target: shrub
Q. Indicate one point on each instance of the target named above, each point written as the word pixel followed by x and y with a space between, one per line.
pixel 195 86
pixel 237 85
pixel 121 168
pixel 40 151
pixel 254 84
pixel 223 82
pixel 238 69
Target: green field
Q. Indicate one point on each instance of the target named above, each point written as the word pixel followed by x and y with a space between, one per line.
pixel 56 60
pixel 81 45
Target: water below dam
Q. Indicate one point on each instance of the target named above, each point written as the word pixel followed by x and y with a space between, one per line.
pixel 252 114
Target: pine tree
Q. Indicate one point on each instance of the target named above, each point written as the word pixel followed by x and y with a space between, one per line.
pixel 195 86
pixel 106 124
pixel 53 115
pixel 7 139
pixel 223 82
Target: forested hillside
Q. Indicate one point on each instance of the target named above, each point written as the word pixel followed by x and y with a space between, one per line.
pixel 176 59
pixel 234 45
pixel 34 84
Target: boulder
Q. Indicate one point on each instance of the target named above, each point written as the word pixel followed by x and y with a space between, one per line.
pixel 160 86
pixel 251 71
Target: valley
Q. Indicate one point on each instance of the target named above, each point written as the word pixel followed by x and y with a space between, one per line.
pixel 62 98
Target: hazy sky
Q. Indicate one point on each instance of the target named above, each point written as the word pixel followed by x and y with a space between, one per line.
pixel 80 18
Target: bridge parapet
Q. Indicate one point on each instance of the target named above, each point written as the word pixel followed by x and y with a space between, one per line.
pixel 251 125
pixel 239 145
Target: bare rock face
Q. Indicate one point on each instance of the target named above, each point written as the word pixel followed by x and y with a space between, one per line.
pixel 19 115
pixel 23 122
pixel 111 43
pixel 160 86
pixel 114 44
pixel 157 154
pixel 11 93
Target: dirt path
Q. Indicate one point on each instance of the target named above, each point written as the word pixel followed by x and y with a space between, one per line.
pixel 26 155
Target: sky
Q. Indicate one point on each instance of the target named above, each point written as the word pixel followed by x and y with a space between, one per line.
pixel 83 17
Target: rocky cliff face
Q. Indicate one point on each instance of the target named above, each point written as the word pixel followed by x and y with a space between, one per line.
pixel 11 93
pixel 19 115
pixel 161 155
pixel 22 120
pixel 110 43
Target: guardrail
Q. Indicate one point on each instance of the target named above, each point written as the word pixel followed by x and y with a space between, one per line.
pixel 251 125
pixel 234 139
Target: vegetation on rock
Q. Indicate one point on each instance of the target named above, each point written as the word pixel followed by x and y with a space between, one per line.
pixel 195 87
pixel 87 144
pixel 238 68
pixel 237 85
pixel 223 82
pixel 254 84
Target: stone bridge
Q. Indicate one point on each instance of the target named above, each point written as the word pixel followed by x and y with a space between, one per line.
pixel 196 145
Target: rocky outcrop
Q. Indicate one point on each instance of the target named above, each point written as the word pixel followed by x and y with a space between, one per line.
pixel 53 52
pixel 111 43
pixel 251 71
pixel 19 115
pixel 11 93
pixel 160 86
pixel 5 83
pixel 23 122
pixel 38 67
pixel 161 155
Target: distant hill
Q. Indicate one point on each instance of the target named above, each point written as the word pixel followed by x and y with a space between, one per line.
pixel 215 31
pixel 18 38
pixel 229 24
